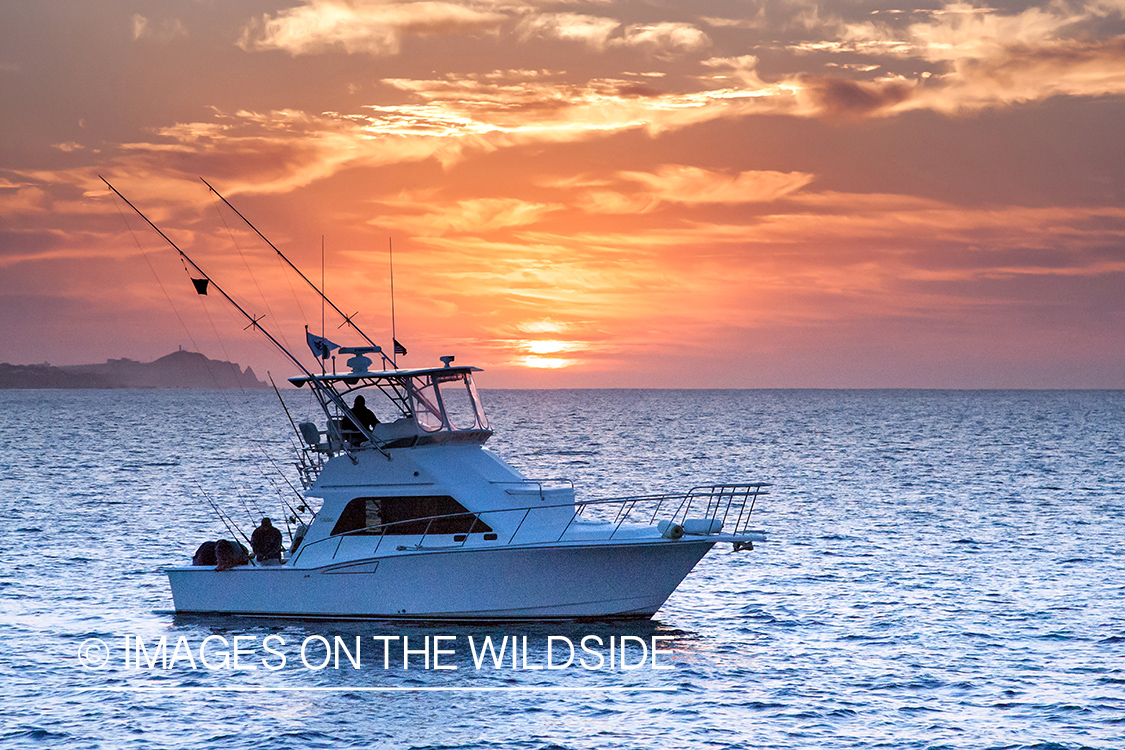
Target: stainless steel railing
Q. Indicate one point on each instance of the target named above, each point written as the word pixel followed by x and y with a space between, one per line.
pixel 733 503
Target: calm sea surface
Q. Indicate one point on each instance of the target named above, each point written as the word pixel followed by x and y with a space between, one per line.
pixel 944 570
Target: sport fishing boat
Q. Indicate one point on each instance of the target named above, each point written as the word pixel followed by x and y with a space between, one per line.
pixel 418 520
pixel 415 519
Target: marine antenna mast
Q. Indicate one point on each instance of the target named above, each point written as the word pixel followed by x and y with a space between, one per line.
pixel 394 337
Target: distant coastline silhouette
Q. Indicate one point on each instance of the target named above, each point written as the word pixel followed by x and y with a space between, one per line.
pixel 182 369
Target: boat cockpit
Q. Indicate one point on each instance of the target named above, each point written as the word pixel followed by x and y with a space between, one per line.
pixel 433 405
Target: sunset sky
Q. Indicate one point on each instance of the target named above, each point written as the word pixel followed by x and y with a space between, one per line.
pixel 716 193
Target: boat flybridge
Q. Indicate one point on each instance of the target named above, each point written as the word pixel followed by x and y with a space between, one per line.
pixel 418 520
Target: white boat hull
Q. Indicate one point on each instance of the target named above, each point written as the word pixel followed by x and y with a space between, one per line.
pixel 511 583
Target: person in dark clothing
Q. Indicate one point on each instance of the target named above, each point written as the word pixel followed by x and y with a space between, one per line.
pixel 229 554
pixel 366 418
pixel 267 543
pixel 205 555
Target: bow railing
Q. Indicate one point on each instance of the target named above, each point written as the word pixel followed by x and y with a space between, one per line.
pixel 730 505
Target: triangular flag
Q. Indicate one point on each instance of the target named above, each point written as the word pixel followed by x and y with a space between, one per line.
pixel 320 346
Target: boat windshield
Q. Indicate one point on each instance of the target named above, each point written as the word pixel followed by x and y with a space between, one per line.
pixel 447 400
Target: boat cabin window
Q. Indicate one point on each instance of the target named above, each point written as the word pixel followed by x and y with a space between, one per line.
pixel 461 401
pixel 407 516
pixel 424 402
pixel 449 401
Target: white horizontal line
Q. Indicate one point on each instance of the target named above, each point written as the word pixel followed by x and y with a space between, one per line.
pixel 447 689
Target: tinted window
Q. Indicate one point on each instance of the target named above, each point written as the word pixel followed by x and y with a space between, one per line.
pixel 368 514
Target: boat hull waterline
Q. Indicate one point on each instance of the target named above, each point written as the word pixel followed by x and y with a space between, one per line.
pixel 522 583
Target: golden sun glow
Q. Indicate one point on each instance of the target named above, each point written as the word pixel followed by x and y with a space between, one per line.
pixel 551 346
pixel 547 363
pixel 542 326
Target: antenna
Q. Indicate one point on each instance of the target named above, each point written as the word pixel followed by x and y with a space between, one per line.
pixel 394 339
pixel 322 295
pixel 322 287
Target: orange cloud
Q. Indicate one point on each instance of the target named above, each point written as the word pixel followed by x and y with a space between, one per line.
pixel 277 151
pixel 963 32
pixel 675 183
pixel 378 27
pixel 743 68
pixel 164 31
pixel 474 216
pixel 684 184
pixel 371 26
pixel 665 37
pixel 558 111
pixel 593 31
pixel 982 58
pixel 1023 74
pixel 21 198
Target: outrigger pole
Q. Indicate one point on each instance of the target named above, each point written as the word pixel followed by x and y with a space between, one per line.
pixel 254 322
pixel 347 318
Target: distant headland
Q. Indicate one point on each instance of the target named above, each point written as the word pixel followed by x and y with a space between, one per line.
pixel 181 369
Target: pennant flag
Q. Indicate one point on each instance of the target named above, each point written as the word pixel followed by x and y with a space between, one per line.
pixel 321 347
pixel 399 348
pixel 200 285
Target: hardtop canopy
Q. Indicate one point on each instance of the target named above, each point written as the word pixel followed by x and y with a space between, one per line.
pixel 351 378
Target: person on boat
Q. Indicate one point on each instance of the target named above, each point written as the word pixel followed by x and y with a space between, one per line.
pixel 365 416
pixel 267 543
pixel 229 554
pixel 205 555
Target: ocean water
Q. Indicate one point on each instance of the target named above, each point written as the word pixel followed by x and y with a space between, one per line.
pixel 943 570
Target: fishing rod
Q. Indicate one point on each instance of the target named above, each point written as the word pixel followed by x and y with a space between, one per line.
pixel 246 507
pixel 215 507
pixel 285 502
pixel 323 297
pixel 283 406
pixel 331 393
pixel 227 521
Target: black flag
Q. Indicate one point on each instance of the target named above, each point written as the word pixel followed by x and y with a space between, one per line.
pixel 399 348
pixel 200 285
